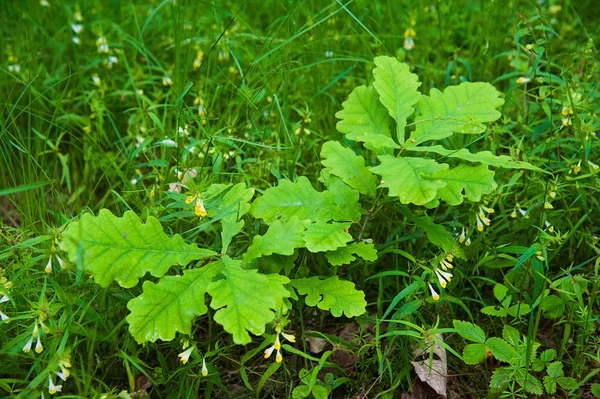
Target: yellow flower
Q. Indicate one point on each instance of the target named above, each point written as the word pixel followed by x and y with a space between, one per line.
pixel 277 344
pixel 577 169
pixel 434 295
pixel 468 242
pixel 279 357
pixel 593 166
pixel 199 208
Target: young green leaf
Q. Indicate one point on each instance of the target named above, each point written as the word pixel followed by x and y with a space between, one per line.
pixel 333 294
pixel 475 181
pixel 469 331
pixel 124 249
pixel 548 355
pixel 397 88
pixel 497 311
pixel 459 109
pixel 229 209
pixel 410 178
pixel 245 300
pixel 550 384
pixel 298 199
pixel 365 119
pixel 345 197
pixel 500 291
pixel 474 353
pixel 348 166
pixel 345 255
pixel 321 237
pixel 281 238
pixel 567 383
pixel 519 309
pixel 438 235
pixel 170 305
pixel 484 157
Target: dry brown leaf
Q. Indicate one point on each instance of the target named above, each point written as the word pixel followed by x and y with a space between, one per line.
pixel 435 372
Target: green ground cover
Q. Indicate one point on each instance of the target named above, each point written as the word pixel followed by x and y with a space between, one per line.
pixel 372 199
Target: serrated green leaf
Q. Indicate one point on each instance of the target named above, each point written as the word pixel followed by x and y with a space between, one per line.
pixel 553 306
pixel 511 335
pixel 484 157
pixel 496 311
pixel 596 390
pixel 365 119
pixel 459 109
pixel 397 88
pixel 475 181
pixel 555 369
pixel 501 349
pixel 348 166
pixel 410 178
pixel 170 305
pixel 281 238
pixel 229 208
pixel 501 377
pixel 469 331
pixel 549 384
pixel 124 249
pixel 320 392
pixel 321 237
pixel 474 353
pixel 298 199
pixel 537 365
pixel 519 309
pixel 567 383
pixel 345 255
pixel 548 355
pixel 500 291
pixel 245 300
pixel 337 296
pixel 529 382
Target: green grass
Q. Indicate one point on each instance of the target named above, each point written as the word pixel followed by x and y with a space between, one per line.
pixel 78 135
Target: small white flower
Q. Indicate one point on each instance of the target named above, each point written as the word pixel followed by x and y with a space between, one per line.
pixel 61 375
pixel 443 277
pixel 14 68
pixel 48 267
pixel 38 345
pixel 434 295
pixel 523 213
pixel 53 388
pixel 4 299
pixel 77 16
pixel 289 337
pixel 279 357
pixel 76 40
pixel 3 316
pixel 269 351
pixel 185 355
pixel 102 45
pixel 204 368
pixel 329 54
pixel 96 80
pixel 44 3
pixel 523 80
pixel 409 43
pixel 168 143
pixel 61 262
pixel 77 28
pixel 167 81
pixel 462 236
pixel 27 346
pixel 593 166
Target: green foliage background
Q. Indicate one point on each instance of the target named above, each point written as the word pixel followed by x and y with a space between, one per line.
pixel 114 104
